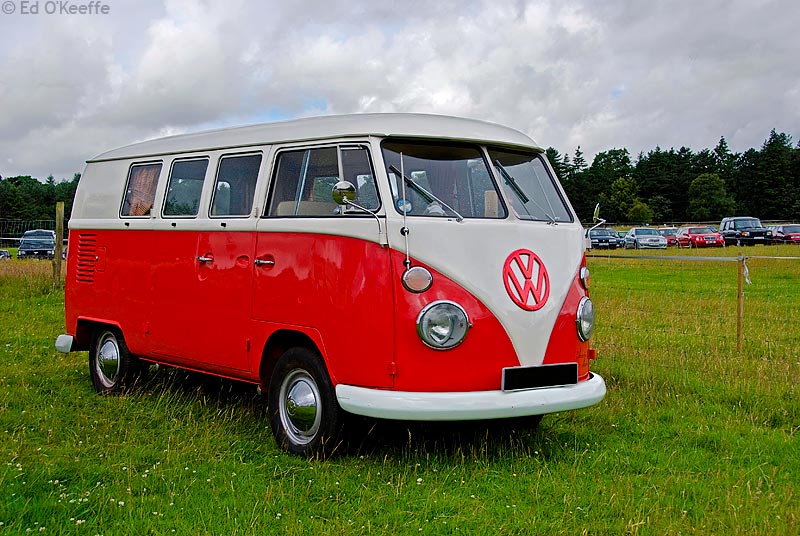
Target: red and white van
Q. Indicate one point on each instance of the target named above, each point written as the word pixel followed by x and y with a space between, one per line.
pixel 398 266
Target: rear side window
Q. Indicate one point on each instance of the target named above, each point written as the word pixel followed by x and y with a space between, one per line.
pixel 185 187
pixel 140 192
pixel 235 185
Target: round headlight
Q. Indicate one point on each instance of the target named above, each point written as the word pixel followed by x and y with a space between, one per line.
pixel 585 319
pixel 442 325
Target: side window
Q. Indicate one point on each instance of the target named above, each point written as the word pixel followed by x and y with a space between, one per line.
pixel 235 185
pixel 304 180
pixel 185 187
pixel 140 192
pixel 357 169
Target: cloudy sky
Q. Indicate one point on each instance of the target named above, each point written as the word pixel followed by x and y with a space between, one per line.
pixel 596 73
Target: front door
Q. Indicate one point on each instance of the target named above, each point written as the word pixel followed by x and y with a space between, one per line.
pixel 320 266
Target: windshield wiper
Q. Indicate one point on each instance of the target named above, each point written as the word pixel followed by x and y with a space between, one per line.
pixel 430 197
pixel 512 182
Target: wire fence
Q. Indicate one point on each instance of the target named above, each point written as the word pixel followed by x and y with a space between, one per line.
pixel 11 230
pixel 729 302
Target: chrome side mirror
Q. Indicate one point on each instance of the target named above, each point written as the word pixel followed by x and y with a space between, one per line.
pixel 343 191
pixel 598 221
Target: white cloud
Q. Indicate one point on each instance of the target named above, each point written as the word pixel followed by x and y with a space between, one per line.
pixel 597 74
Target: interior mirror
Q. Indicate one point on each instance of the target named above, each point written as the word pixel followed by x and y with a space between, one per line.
pixel 343 191
pixel 596 215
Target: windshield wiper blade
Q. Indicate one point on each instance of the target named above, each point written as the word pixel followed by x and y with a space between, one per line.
pixel 430 197
pixel 511 181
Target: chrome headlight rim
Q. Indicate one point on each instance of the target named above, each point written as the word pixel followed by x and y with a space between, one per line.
pixel 452 342
pixel 584 319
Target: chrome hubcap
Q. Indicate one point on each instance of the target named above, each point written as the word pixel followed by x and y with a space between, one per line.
pixel 299 407
pixel 107 360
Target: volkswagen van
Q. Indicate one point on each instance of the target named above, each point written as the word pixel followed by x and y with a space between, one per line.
pixel 396 266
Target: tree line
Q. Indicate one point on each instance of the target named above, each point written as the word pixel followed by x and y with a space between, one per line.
pixel 660 186
pixel 26 198
pixel 681 185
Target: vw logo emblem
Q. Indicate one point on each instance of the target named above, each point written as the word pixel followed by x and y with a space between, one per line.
pixel 526 280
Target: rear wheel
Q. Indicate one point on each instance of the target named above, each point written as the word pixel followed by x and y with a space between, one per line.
pixel 304 415
pixel 111 364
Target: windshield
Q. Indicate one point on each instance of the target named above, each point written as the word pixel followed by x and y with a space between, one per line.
pixel 667 232
pixel 791 228
pixel 646 232
pixel 601 232
pixel 746 223
pixel 700 230
pixel 442 179
pixel 527 183
pixel 34 239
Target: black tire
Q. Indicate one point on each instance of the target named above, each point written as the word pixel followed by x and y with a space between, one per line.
pixel 303 412
pixel 111 365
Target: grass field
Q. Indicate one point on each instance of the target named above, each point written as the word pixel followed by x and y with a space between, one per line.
pixel 692 438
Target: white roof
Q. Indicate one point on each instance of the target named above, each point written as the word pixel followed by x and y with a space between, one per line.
pixel 332 126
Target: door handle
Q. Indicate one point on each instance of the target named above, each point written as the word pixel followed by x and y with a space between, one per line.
pixel 263 262
pixel 202 259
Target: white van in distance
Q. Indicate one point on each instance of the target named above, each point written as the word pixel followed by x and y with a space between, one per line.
pixel 398 266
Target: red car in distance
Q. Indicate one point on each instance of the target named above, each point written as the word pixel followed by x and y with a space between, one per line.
pixel 786 234
pixel 669 233
pixel 698 237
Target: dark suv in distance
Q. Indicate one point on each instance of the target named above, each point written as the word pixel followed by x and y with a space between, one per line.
pixel 603 238
pixel 744 231
pixel 37 244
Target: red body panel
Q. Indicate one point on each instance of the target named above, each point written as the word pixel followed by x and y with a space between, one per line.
pixel 474 365
pixel 564 345
pixel 345 294
pixel 340 287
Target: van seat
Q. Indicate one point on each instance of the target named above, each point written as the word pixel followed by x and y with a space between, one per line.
pixel 306 208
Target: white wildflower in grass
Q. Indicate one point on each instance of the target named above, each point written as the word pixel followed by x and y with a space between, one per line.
pixel 419 481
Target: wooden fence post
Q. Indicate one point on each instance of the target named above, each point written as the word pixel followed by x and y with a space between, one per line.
pixel 740 304
pixel 59 243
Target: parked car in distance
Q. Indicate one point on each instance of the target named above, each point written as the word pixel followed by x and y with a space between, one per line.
pixel 743 230
pixel 786 234
pixel 603 238
pixel 37 244
pixel 620 236
pixel 4 255
pixel 669 234
pixel 645 237
pixel 699 237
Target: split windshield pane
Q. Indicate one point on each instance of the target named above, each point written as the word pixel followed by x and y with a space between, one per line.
pixel 442 179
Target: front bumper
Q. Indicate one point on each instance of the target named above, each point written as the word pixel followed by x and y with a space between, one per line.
pixel 468 406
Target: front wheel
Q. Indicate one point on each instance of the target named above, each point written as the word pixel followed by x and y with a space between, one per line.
pixel 304 415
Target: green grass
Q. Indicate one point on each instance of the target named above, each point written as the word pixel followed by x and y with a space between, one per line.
pixel 692 438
